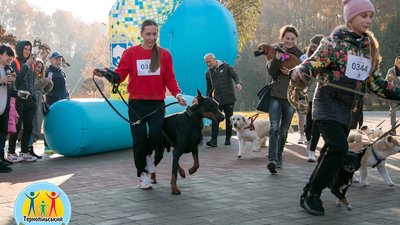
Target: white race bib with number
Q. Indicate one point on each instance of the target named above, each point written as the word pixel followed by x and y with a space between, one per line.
pixel 358 67
pixel 143 68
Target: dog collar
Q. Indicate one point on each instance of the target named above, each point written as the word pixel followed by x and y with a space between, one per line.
pixel 378 160
pixel 190 113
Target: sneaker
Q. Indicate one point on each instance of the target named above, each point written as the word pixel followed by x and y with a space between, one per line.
pixel 311 156
pixel 313 205
pixel 212 143
pixel 151 168
pixel 30 150
pixel 13 158
pixel 228 142
pixel 27 157
pixel 47 153
pixel 302 139
pixel 145 182
pixel 272 167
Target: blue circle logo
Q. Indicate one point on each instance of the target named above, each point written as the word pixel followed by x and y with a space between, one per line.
pixel 42 203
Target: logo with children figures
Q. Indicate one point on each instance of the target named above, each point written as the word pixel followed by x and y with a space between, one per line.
pixel 42 203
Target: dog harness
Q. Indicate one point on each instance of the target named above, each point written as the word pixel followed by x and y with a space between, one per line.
pixel 252 119
pixel 378 160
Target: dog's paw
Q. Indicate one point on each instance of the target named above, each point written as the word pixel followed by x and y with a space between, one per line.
pixel 338 203
pixel 364 185
pixel 356 180
pixel 239 156
pixel 182 173
pixel 349 207
pixel 175 191
pixel 391 184
pixel 192 170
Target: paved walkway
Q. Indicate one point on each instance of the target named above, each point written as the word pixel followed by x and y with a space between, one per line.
pixel 103 189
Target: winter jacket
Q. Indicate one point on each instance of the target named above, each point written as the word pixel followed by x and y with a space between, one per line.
pixel 330 61
pixel 25 73
pixel 280 87
pixel 220 78
pixel 59 90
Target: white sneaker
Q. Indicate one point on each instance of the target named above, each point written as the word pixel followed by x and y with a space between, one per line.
pixel 311 156
pixel 145 182
pixel 302 139
pixel 13 158
pixel 27 157
pixel 151 168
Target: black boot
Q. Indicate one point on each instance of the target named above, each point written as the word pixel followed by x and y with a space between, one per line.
pixel 313 204
pixel 212 143
pixel 30 150
pixel 3 160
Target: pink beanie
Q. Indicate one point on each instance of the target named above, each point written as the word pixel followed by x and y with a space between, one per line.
pixel 352 8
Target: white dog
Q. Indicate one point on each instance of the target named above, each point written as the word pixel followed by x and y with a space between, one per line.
pixel 376 156
pixel 257 132
pixel 371 133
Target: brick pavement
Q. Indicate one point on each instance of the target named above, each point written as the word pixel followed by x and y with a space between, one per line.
pixel 103 190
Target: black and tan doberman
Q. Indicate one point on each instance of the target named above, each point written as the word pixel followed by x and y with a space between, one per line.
pixel 183 132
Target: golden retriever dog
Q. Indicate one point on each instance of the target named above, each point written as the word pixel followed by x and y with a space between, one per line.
pixel 375 156
pixel 256 132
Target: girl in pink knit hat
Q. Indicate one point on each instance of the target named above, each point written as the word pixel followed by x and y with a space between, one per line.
pixel 349 57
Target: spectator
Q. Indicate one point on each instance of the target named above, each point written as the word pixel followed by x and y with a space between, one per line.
pixel 26 108
pixel 7 89
pixel 59 92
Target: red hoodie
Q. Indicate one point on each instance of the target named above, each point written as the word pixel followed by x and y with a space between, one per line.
pixel 144 85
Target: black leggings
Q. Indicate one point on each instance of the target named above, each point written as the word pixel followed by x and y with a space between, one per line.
pixel 26 114
pixel 148 134
pixel 331 157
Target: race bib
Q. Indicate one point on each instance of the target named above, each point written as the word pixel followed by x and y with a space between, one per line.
pixel 143 68
pixel 358 68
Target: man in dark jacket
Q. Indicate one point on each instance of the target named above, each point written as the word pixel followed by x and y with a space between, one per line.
pixel 57 75
pixel 219 77
pixel 59 91
pixel 26 108
pixel 7 90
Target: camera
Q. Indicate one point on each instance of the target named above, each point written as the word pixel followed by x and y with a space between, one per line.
pixel 258 53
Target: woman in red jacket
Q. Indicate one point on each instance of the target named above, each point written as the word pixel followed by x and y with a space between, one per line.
pixel 150 72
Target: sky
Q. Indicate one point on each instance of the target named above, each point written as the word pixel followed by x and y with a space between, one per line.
pixel 89 11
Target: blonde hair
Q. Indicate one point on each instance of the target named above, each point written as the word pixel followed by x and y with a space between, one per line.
pixel 376 57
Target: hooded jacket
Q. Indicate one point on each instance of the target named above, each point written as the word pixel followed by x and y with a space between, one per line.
pixel 330 61
pixel 220 78
pixel 25 73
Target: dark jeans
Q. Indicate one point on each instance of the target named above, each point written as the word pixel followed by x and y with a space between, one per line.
pixel 331 157
pixel 228 111
pixel 311 130
pixel 148 134
pixel 26 116
pixel 280 116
